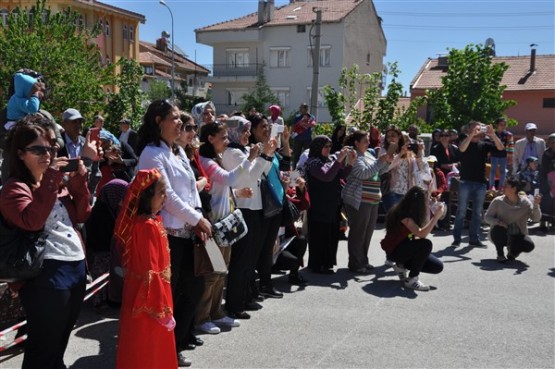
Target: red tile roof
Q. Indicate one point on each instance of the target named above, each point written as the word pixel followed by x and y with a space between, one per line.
pixel 291 14
pixel 149 58
pixel 180 61
pixel 516 78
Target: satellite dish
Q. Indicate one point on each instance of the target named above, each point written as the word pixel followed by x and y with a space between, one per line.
pixel 491 44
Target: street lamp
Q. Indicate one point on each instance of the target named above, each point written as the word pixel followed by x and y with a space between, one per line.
pixel 163 3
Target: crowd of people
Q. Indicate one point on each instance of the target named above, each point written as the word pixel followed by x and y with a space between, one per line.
pixel 144 202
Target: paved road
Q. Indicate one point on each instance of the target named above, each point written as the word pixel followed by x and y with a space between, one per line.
pixel 479 314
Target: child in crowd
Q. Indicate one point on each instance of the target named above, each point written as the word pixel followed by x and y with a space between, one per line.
pixel 28 92
pixel 530 176
pixel 145 339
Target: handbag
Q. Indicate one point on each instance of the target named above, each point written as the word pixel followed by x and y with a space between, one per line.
pixel 21 253
pixel 231 228
pixel 270 204
pixel 208 258
pixel 290 213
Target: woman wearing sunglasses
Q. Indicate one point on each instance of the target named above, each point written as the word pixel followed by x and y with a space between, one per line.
pixel 35 198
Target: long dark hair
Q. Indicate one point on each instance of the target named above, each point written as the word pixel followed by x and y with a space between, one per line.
pixel 397 130
pixel 149 131
pixel 206 148
pixel 22 134
pixel 145 206
pixel 413 205
pixel 255 120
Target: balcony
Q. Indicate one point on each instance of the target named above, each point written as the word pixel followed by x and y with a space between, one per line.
pixel 233 73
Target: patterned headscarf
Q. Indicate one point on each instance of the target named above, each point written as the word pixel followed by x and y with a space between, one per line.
pixel 275 110
pixel 124 224
pixel 112 194
pixel 236 126
pixel 199 108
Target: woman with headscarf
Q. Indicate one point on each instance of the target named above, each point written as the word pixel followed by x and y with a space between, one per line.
pixel 204 112
pixel 323 173
pixel 244 253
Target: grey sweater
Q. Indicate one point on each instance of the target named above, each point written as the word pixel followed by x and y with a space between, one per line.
pixel 500 210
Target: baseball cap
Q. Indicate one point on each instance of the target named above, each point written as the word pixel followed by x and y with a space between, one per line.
pixel 71 114
pixel 125 121
pixel 530 126
pixel 531 159
pixel 431 159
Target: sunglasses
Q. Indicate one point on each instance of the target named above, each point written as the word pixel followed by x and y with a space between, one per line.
pixel 41 150
pixel 190 128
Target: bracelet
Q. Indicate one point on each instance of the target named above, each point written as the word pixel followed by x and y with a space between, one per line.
pixel 266 157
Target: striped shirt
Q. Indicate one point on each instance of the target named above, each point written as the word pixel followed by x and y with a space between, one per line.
pixel 371 193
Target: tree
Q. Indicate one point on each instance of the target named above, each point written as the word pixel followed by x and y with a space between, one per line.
pixel 361 98
pixel 129 101
pixel 159 90
pixel 261 97
pixel 186 102
pixel 65 53
pixel 471 89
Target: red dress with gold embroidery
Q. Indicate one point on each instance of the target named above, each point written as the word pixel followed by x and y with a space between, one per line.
pixel 143 342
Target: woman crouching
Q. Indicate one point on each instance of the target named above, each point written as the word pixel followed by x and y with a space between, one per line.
pixel 405 242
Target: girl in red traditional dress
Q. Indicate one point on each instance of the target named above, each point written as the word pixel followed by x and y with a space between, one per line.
pixel 146 339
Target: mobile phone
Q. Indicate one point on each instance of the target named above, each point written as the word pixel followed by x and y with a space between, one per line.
pixel 483 128
pixel 72 166
pixel 95 135
pixel 414 147
pixel 293 175
pixel 536 191
pixel 276 130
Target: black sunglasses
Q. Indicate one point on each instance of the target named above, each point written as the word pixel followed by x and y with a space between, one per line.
pixel 190 127
pixel 41 150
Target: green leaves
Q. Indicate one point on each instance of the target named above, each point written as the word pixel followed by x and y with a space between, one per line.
pixel 262 96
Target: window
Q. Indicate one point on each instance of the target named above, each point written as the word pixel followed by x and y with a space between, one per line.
pixel 125 34
pixel 4 13
pixel 279 57
pixel 301 28
pixel 325 56
pixel 235 96
pixel 549 102
pixel 321 100
pixel 148 69
pixel 101 26
pixel 108 60
pixel 283 95
pixel 107 28
pixel 131 34
pixel 237 58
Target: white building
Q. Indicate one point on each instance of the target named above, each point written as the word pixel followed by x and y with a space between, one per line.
pixel 278 38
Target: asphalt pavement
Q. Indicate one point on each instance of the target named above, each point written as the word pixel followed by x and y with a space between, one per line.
pixel 479 314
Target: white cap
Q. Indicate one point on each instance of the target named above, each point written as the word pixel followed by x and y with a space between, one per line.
pixel 71 114
pixel 530 126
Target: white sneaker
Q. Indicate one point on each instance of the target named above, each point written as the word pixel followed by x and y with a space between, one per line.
pixel 227 321
pixel 208 327
pixel 415 284
pixel 401 272
pixel 389 263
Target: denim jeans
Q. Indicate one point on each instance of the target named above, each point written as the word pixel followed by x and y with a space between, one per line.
pixel 475 192
pixel 502 162
pixel 389 200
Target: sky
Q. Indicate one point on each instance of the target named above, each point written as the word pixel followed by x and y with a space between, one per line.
pixel 415 30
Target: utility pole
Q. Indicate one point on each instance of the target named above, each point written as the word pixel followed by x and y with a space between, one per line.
pixel 315 64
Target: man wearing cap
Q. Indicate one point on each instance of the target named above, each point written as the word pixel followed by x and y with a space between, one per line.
pixel 127 135
pixel 526 147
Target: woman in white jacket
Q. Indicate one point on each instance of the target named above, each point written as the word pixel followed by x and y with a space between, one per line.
pixel 243 254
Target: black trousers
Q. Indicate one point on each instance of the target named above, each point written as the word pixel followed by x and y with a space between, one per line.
pixel 292 257
pixel 517 244
pixel 244 255
pixel 416 256
pixel 51 315
pixel 186 288
pixel 269 231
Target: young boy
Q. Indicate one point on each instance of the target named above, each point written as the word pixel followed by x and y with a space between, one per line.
pixel 28 92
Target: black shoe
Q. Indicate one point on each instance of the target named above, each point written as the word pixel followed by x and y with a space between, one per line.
pixel 196 341
pixel 258 298
pixel 238 315
pixel 270 292
pixel 253 306
pixel 477 243
pixel 182 361
pixel 190 346
pixel 456 243
pixel 297 279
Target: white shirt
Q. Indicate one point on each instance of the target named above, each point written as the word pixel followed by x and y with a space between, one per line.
pixel 182 198
pixel 124 136
pixel 62 240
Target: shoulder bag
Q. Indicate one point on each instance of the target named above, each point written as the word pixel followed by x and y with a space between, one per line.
pixel 271 206
pixel 208 258
pixel 21 253
pixel 231 228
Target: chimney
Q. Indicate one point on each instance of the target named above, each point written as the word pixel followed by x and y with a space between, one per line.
pixel 261 11
pixel 270 8
pixel 533 59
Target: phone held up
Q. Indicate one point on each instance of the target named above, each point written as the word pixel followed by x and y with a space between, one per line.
pixel 72 166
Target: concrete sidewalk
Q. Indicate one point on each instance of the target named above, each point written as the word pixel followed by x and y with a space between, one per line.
pixel 479 314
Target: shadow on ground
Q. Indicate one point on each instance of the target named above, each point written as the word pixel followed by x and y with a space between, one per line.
pixel 494 265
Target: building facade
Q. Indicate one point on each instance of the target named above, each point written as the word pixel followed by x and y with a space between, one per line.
pixel 278 40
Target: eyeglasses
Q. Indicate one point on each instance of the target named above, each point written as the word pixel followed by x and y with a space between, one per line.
pixel 41 150
pixel 190 127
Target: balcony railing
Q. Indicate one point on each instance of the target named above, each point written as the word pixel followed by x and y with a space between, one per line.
pixel 228 70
